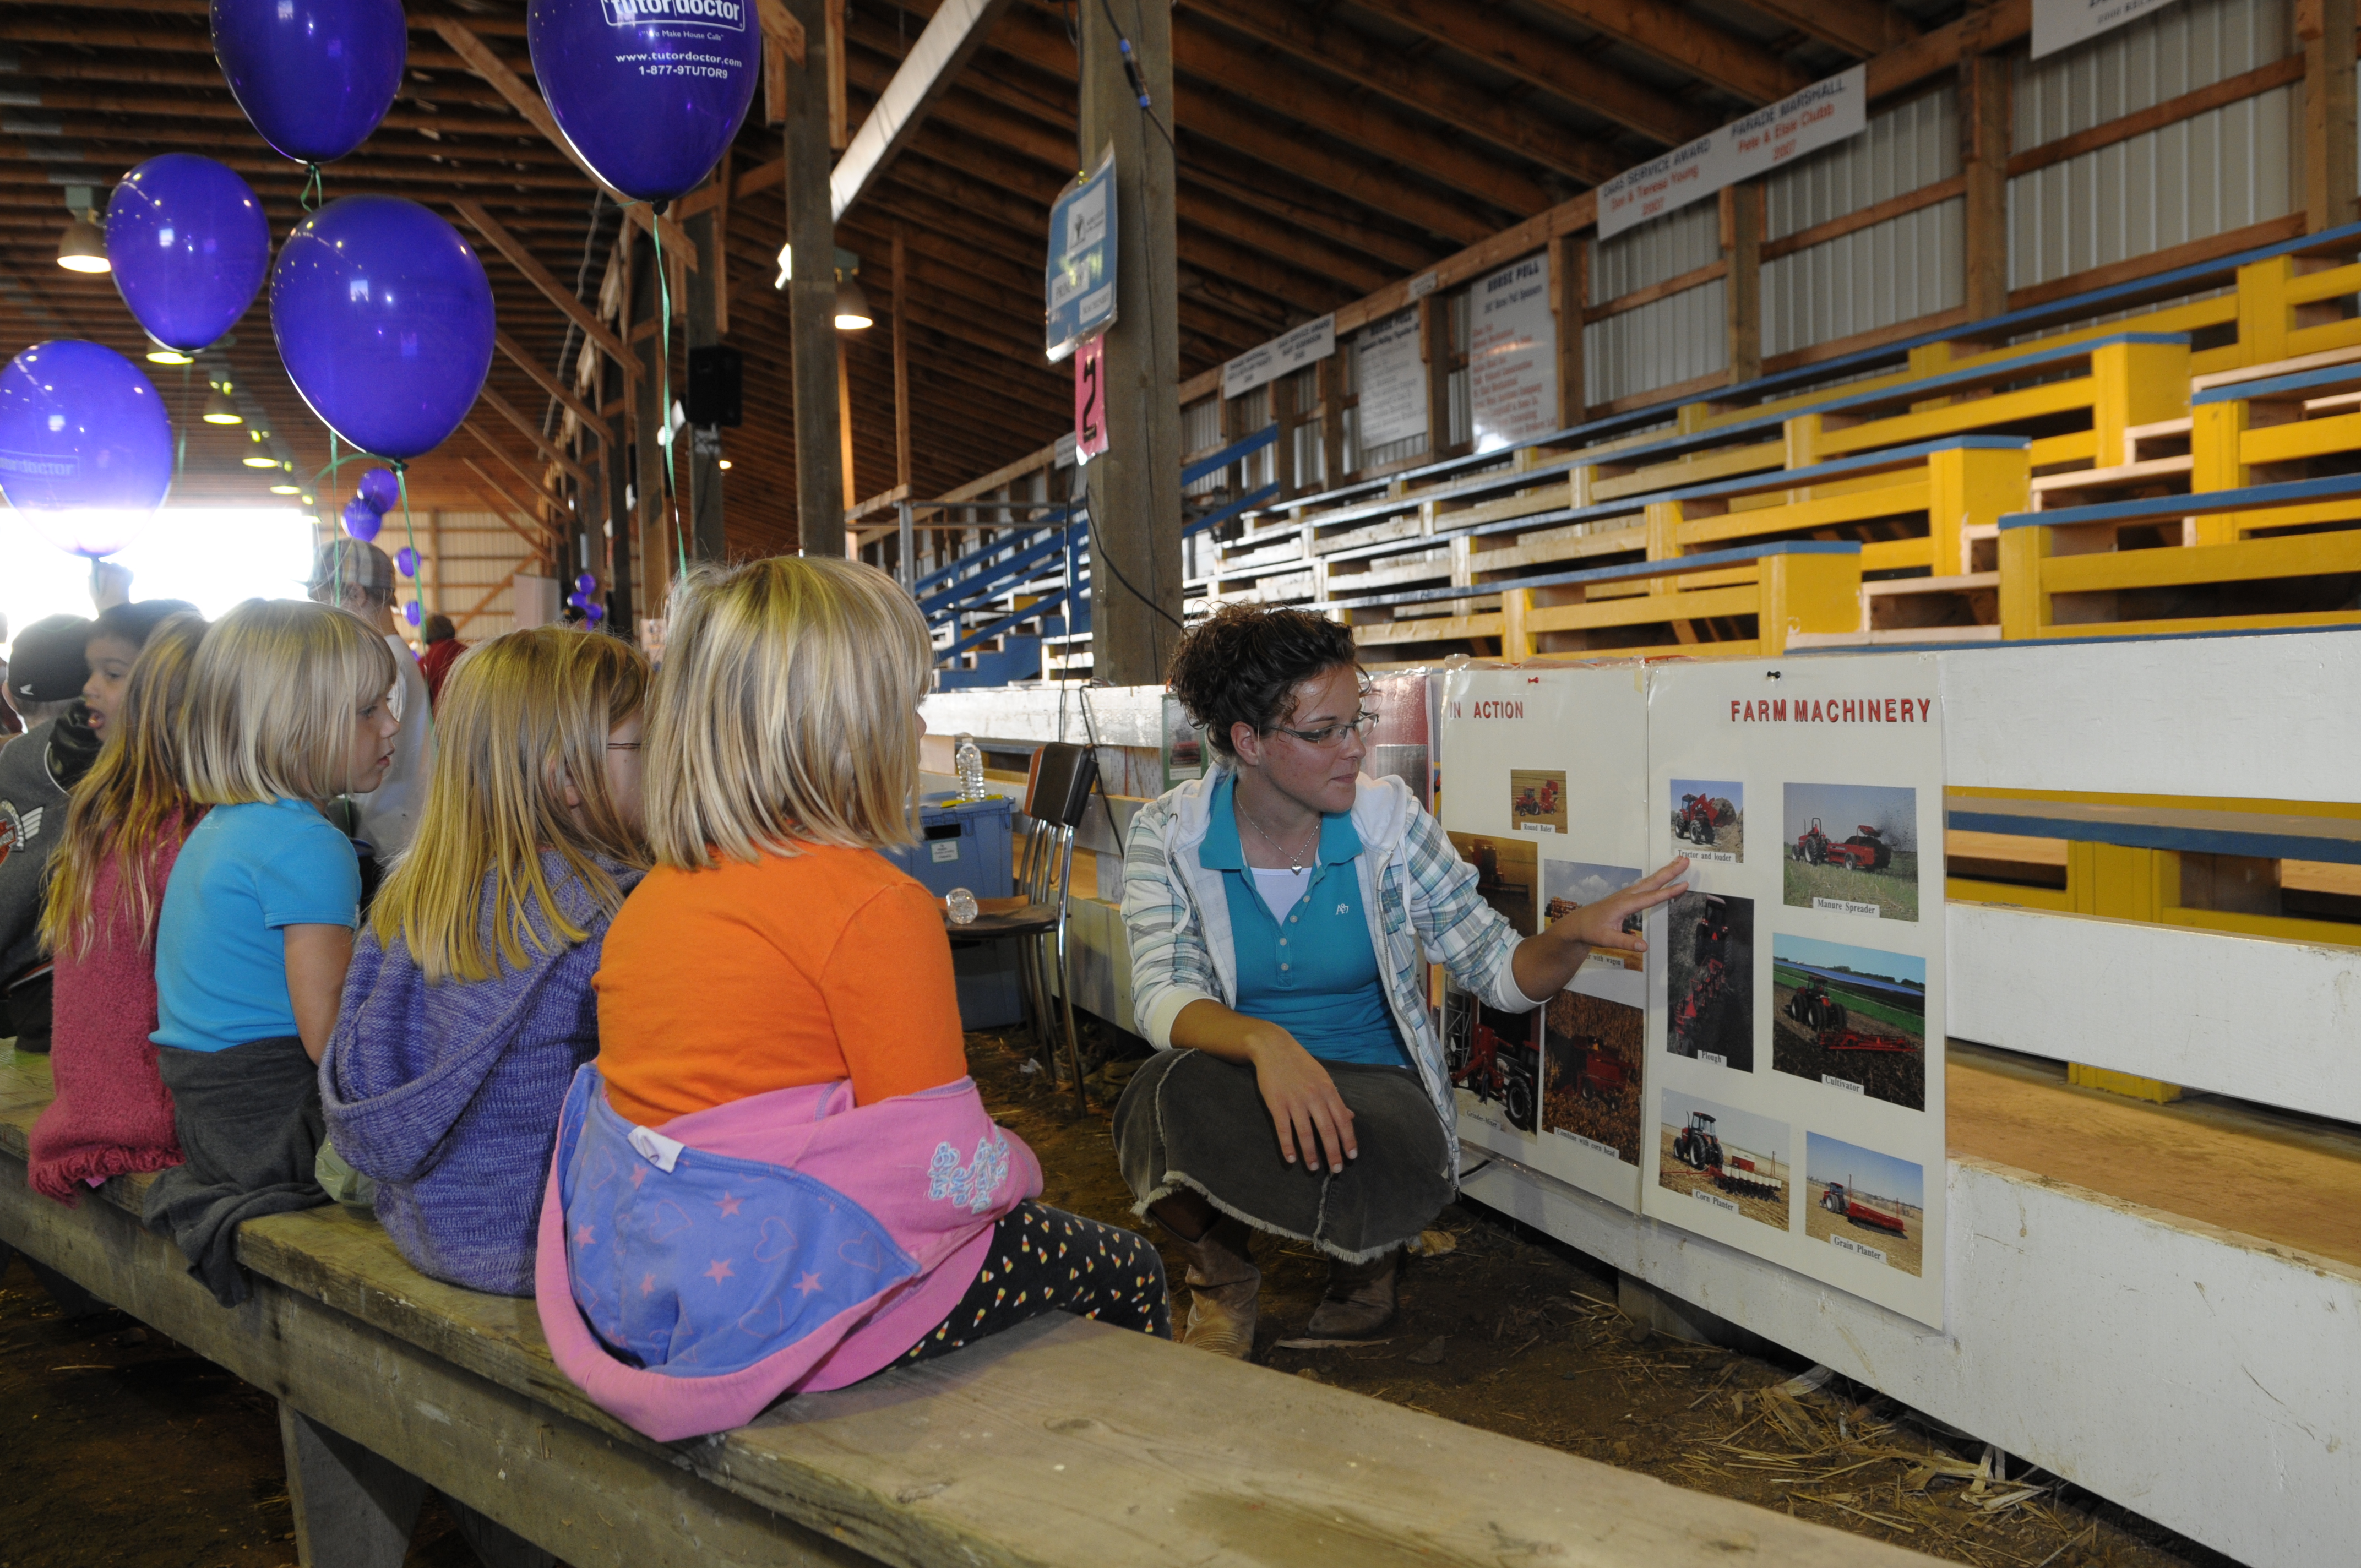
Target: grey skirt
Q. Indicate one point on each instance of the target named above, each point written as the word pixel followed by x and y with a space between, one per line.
pixel 1192 1120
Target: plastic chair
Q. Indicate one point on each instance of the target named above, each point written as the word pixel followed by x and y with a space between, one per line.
pixel 1056 794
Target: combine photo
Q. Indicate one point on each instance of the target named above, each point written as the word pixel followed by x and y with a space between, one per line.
pixel 1590 1063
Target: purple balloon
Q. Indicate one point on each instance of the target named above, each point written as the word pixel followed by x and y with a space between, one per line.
pixel 384 322
pixel 594 613
pixel 405 561
pixel 85 448
pixel 586 583
pixel 382 488
pixel 577 599
pixel 650 94
pixel 412 613
pixel 361 520
pixel 314 76
pixel 189 246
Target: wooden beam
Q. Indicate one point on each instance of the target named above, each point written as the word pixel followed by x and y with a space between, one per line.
pixel 1985 132
pixel 2330 166
pixel 510 502
pixel 901 372
pixel 839 128
pixel 1686 41
pixel 950 39
pixel 533 485
pixel 1663 289
pixel 1742 246
pixel 459 622
pixel 542 444
pixel 1860 218
pixel 1980 31
pixel 2245 85
pixel 1564 70
pixel 1860 27
pixel 783 39
pixel 1417 85
pixel 525 261
pixel 480 60
pixel 1569 263
pixel 877 503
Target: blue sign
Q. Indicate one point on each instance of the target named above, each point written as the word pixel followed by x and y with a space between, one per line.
pixel 1081 281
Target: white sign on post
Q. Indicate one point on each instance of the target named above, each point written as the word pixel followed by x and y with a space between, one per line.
pixel 1393 381
pixel 1289 352
pixel 2062 23
pixel 1821 116
pixel 1512 355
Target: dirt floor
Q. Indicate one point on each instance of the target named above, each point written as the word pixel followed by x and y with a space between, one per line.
pixel 1906 1252
pixel 1899 1077
pixel 125 1451
pixel 1673 1175
pixel 1894 890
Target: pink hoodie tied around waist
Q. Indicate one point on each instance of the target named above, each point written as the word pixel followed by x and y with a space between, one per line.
pixel 877 1216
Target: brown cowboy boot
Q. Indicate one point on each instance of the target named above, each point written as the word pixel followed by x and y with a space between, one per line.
pixel 1360 1299
pixel 1222 1287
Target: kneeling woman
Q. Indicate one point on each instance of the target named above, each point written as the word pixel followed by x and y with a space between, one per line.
pixel 777 1176
pixel 1282 911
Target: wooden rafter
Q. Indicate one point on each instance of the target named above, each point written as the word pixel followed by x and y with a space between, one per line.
pixel 1860 27
pixel 1687 41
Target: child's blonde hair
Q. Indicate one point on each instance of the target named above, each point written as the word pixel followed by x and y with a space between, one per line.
pixel 521 717
pixel 277 689
pixel 786 711
pixel 131 800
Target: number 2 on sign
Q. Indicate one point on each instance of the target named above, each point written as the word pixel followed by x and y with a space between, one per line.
pixel 1090 398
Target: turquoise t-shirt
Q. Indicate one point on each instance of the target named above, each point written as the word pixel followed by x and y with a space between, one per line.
pixel 1313 971
pixel 247 873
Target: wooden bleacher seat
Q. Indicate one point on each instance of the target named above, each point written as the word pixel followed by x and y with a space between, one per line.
pixel 1061 1442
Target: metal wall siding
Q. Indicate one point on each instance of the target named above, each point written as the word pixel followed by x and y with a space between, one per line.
pixel 1663 247
pixel 1895 271
pixel 1905 148
pixel 1668 341
pixel 2213 173
pixel 1201 432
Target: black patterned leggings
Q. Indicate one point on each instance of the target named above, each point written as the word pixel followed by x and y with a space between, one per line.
pixel 1046 1260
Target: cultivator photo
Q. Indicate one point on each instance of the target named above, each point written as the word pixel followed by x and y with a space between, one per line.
pixel 1851 850
pixel 1852 1018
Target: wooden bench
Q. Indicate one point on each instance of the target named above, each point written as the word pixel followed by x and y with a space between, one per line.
pixel 1062 1442
pixel 2064 572
pixel 1785 587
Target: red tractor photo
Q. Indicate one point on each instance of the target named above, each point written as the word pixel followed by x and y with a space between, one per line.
pixel 1702 817
pixel 1840 1199
pixel 1600 1075
pixel 1697 1147
pixel 1710 973
pixel 1490 1066
pixel 1866 850
pixel 1814 1008
pixel 1543 800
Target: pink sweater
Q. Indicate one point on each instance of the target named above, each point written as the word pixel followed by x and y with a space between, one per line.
pixel 112 1113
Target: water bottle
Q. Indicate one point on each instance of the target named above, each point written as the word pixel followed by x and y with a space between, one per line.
pixel 959 904
pixel 967 760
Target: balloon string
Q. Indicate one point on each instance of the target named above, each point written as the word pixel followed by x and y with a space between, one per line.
pixel 335 461
pixel 663 413
pixel 401 478
pixel 314 192
pixel 181 451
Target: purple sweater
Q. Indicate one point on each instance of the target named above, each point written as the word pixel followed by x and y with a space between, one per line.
pixel 448 1094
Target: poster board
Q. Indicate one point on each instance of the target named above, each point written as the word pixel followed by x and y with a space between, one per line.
pixel 1512 355
pixel 1794 1084
pixel 1401 743
pixel 1393 379
pixel 1181 747
pixel 1542 795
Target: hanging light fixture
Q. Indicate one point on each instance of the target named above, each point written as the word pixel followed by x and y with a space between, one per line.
pixel 853 313
pixel 160 354
pixel 84 248
pixel 219 410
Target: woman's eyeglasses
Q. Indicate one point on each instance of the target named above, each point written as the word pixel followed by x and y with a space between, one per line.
pixel 1329 736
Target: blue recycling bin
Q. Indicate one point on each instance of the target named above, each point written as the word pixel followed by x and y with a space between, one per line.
pixel 967 844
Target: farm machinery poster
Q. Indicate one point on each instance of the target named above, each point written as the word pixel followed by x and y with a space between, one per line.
pixel 1542 795
pixel 1794 1081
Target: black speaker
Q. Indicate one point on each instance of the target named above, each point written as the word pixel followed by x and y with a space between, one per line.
pixel 716 379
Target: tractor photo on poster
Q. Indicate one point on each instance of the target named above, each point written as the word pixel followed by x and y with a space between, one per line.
pixel 1851 1018
pixel 1590 1068
pixel 1709 971
pixel 1709 820
pixel 1725 1157
pixel 1851 850
pixel 1866 1203
pixel 1567 885
pixel 1492 1056
pixel 1508 871
pixel 1537 799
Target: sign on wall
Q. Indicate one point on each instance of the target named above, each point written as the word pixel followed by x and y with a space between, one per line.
pixel 1284 355
pixel 1090 399
pixel 1081 279
pixel 1393 381
pixel 2062 23
pixel 1512 355
pixel 1821 116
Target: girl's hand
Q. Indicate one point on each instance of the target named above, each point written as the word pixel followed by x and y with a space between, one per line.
pixel 1601 924
pixel 1304 1106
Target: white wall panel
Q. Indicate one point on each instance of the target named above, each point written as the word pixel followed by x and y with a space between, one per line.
pixel 2220 171
pixel 1671 339
pixel 1905 148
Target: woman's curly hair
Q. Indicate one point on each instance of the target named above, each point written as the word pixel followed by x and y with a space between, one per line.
pixel 1241 665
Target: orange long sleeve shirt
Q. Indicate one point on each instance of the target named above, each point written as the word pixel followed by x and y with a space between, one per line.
pixel 719 984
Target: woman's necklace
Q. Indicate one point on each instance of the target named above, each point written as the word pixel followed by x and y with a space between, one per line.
pixel 1296 858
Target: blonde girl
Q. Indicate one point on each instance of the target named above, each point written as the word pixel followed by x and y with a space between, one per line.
pixel 287 708
pixel 122 835
pixel 781 1070
pixel 468 1006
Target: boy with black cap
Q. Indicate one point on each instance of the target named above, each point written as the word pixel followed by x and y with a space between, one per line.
pixel 37 772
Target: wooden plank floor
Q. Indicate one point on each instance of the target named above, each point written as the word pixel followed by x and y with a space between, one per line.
pixel 2279 1180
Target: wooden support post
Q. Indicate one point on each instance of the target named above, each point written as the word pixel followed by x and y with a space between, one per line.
pixel 701 463
pixel 2331 171
pixel 1569 265
pixel 1282 449
pixel 352 1507
pixel 901 373
pixel 620 578
pixel 1516 640
pixel 1436 346
pixel 844 418
pixel 1968 487
pixel 1741 244
pixel 840 115
pixel 2135 383
pixel 811 288
pixel 2023 606
pixel 649 417
pixel 1134 485
pixel 1331 420
pixel 1985 138
pixel 1806 592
